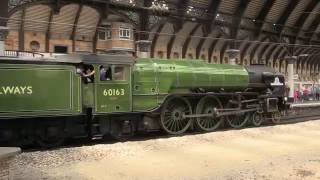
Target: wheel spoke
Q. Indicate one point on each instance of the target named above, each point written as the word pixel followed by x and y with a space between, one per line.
pixel 171 115
pixel 237 120
pixel 206 106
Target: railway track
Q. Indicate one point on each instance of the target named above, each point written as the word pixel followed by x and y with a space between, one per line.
pixel 312 114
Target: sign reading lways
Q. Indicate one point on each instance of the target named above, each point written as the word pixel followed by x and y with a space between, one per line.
pixel 15 90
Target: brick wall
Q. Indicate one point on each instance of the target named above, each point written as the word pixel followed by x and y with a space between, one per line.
pixel 60 42
pixel 115 43
pixel 83 46
pixel 34 36
pixel 12 41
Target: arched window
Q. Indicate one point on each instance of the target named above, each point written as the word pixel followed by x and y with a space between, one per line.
pixel 203 57
pixel 237 61
pixel 160 54
pixel 176 55
pixel 209 61
pixel 190 56
pixel 34 45
pixel 246 62
pixel 226 60
pixel 215 60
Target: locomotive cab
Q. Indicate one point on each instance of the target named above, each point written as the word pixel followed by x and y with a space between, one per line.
pixel 109 88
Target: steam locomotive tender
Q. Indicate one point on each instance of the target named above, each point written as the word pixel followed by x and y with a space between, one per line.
pixel 48 100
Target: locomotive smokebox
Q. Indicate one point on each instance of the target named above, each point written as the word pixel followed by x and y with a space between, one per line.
pixel 262 77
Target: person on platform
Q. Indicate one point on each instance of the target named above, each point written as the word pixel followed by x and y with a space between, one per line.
pixel 305 94
pixel 301 95
pixel 296 96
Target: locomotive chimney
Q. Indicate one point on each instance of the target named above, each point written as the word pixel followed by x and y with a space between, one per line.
pixel 143 48
pixel 232 53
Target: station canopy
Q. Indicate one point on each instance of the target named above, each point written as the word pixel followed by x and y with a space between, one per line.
pixel 261 29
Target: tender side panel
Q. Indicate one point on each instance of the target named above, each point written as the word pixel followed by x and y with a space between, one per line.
pixel 38 90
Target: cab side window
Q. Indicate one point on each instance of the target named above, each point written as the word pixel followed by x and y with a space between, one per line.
pixel 119 73
pixel 112 73
pixel 105 73
pixel 87 73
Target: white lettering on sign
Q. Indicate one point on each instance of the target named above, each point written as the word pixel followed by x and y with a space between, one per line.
pixel 16 90
pixel 113 92
pixel 276 82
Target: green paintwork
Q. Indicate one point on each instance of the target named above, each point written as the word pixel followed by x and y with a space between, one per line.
pixel 88 95
pixel 153 79
pixel 113 96
pixel 58 90
pixel 39 90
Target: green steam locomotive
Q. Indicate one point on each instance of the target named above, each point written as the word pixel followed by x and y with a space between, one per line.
pixel 90 96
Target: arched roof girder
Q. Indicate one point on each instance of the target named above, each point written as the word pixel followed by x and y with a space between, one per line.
pixel 211 14
pixel 285 15
pixel 4 11
pixel 306 63
pixel 177 24
pixel 310 7
pixel 256 46
pixel 263 49
pixel 315 59
pixel 277 54
pixel 75 25
pixel 313 27
pixel 299 59
pixel 187 41
pixel 269 52
pixel 213 45
pixel 234 29
pixel 305 59
pixel 155 39
pixel 259 21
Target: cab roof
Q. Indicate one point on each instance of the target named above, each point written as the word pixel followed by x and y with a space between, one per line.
pixel 73 59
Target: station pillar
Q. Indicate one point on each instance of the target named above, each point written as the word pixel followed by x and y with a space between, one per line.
pixel 232 53
pixel 291 60
pixel 143 48
pixel 3 22
pixel 3 34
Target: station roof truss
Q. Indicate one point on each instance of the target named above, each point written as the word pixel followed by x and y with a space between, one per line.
pixel 260 29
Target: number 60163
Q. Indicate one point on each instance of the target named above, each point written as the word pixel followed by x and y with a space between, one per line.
pixel 113 92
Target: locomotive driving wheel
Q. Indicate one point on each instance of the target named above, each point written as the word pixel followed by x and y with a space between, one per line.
pixel 237 120
pixel 257 118
pixel 207 105
pixel 172 118
pixel 275 117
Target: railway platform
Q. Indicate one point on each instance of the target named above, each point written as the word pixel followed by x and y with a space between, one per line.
pixel 7 154
pixel 306 104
